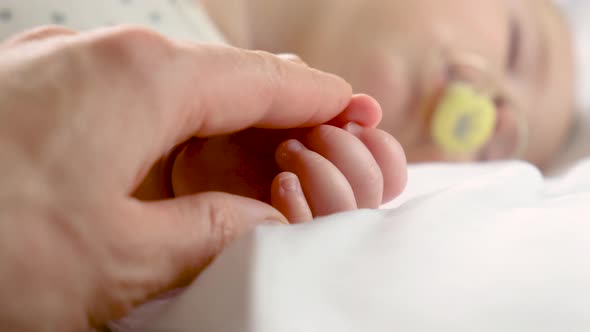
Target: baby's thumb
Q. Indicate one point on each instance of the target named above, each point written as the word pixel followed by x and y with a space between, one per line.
pixel 172 241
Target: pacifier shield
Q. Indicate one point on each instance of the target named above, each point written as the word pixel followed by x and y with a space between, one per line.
pixel 464 119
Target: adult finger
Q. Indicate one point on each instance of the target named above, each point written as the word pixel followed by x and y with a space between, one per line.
pixel 362 109
pixel 173 91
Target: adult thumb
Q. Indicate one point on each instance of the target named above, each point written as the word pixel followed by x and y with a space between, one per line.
pixel 170 242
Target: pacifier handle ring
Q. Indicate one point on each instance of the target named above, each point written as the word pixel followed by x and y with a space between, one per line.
pixel 490 85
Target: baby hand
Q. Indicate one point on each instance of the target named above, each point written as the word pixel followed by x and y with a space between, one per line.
pixel 337 169
pixel 341 166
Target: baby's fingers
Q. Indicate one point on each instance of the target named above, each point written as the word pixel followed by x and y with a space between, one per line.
pixel 354 160
pixel 287 196
pixel 388 154
pixel 325 187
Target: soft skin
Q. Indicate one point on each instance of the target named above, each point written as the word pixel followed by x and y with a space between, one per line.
pixel 386 49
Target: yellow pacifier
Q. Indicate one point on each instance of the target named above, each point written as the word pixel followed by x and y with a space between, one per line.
pixel 464 120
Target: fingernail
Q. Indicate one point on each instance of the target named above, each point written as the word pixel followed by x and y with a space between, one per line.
pixel 288 153
pixel 289 184
pixel 294 145
pixel 353 128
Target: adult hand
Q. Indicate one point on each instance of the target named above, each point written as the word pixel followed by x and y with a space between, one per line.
pixel 83 117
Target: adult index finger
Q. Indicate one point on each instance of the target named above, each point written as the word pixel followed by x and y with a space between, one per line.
pixel 181 90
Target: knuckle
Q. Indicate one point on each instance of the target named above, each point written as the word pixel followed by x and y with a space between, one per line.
pixel 221 230
pixel 318 84
pixel 132 37
pixel 274 65
pixel 130 47
pixel 115 59
pixel 275 72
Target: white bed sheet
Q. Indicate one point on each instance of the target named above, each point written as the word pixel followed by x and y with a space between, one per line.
pixel 468 248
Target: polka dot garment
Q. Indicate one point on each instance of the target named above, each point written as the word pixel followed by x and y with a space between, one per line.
pixel 182 19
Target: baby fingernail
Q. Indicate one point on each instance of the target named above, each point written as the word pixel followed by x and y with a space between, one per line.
pixel 289 184
pixel 353 128
pixel 287 152
pixel 294 145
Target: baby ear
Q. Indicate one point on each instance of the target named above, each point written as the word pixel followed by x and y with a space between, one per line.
pixel 363 110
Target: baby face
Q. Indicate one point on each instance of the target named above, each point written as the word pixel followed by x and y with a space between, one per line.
pixel 402 51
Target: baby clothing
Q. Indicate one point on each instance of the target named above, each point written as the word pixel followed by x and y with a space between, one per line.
pixel 179 19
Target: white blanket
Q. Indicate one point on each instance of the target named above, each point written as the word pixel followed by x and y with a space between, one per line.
pixel 482 248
